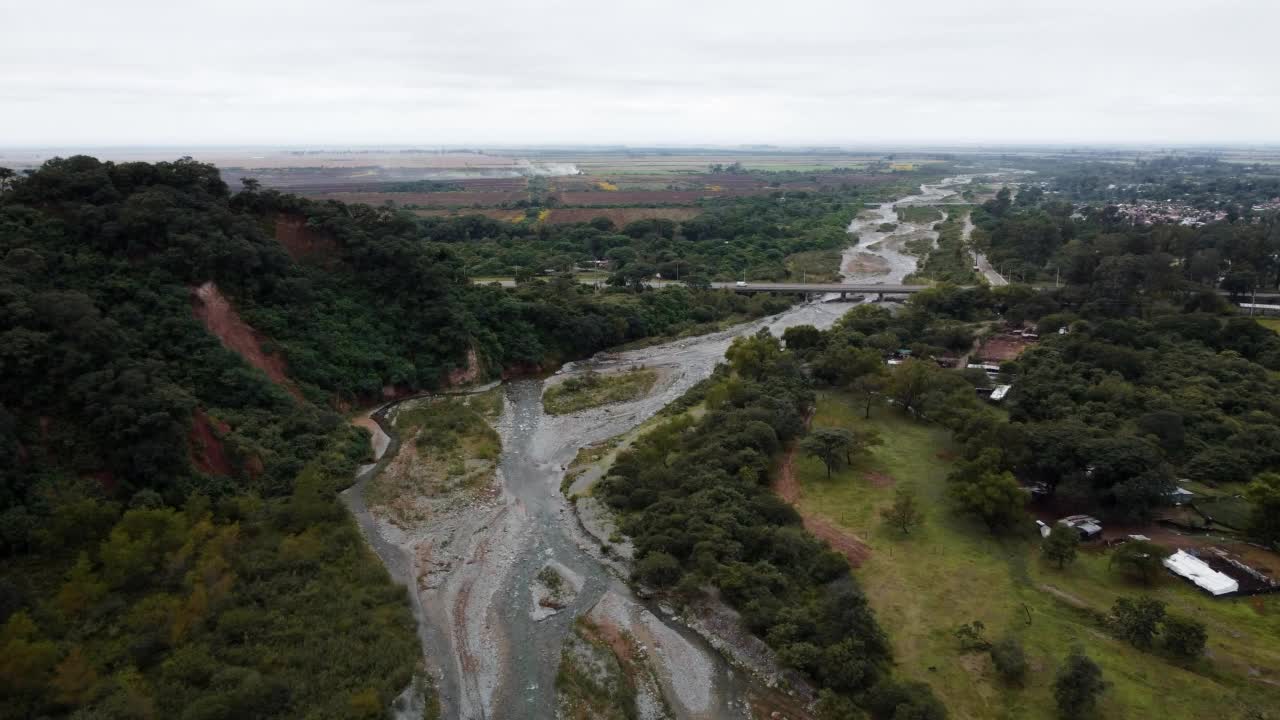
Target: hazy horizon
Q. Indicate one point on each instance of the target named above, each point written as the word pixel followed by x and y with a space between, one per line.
pixel 499 73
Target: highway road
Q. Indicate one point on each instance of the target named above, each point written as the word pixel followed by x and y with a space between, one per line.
pixel 851 288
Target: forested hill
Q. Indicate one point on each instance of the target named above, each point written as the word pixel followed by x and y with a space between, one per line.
pixel 170 537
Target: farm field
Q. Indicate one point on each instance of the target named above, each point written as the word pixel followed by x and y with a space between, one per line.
pixel 561 216
pixel 463 198
pixel 951 571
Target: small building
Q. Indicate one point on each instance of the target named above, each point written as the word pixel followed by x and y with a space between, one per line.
pixel 1180 496
pixel 1186 565
pixel 1089 527
pixel 1000 392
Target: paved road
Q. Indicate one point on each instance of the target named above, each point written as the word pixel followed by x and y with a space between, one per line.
pixel 864 288
pixel 786 287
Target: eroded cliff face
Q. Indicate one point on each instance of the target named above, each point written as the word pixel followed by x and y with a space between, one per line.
pixel 467 375
pixel 305 244
pixel 213 309
pixel 208 455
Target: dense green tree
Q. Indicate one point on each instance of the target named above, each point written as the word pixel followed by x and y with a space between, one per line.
pixel 1009 659
pixel 1061 545
pixel 1077 686
pixel 1264 515
pixel 981 488
pixel 1138 620
pixel 1184 637
pixel 1139 558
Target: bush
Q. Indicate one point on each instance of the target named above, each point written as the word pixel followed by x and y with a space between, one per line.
pixel 1137 621
pixel 894 700
pixel 1061 545
pixel 1010 659
pixel 1078 686
pixel 658 568
pixel 1184 638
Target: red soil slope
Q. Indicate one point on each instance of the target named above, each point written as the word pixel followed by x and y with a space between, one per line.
pixel 215 311
pixel 303 243
pixel 207 452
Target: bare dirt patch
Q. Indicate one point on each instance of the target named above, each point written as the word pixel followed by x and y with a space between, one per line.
pixel 878 479
pixel 207 452
pixel 1000 348
pixel 622 216
pixel 305 244
pixel 213 309
pixel 865 263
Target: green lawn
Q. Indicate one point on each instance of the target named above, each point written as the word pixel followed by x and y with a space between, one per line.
pixel 951 571
pixel 814 266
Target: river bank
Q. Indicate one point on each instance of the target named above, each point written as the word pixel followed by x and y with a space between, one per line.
pixel 473 567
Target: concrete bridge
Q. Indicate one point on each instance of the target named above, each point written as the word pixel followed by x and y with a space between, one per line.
pixel 846 289
pixel 842 289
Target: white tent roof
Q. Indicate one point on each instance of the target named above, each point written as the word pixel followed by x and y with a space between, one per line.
pixel 1197 571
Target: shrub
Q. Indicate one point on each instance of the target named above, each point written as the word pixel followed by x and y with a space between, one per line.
pixel 1078 686
pixel 1184 638
pixel 658 568
pixel 904 701
pixel 1010 659
pixel 1137 621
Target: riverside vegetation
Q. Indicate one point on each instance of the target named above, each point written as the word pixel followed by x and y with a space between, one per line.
pixel 171 542
pixel 593 389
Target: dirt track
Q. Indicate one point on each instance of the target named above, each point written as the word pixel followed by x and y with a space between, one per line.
pixel 788 488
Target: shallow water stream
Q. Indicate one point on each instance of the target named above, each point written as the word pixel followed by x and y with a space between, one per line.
pixel 491 658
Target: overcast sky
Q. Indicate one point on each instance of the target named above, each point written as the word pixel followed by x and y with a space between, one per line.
pixel 174 72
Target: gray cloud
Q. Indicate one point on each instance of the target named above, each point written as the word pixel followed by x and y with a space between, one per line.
pixel 501 71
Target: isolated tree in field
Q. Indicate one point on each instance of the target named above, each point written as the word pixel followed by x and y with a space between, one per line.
pixel 905 512
pixel 830 445
pixel 1264 520
pixel 971 636
pixel 1078 686
pixel 1183 637
pixel 1137 621
pixel 1061 545
pixel 1139 558
pixel 1009 659
pixel 869 388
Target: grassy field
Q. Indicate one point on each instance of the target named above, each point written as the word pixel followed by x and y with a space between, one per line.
pixel 919 214
pixel 1271 323
pixel 593 390
pixel 814 266
pixel 951 571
